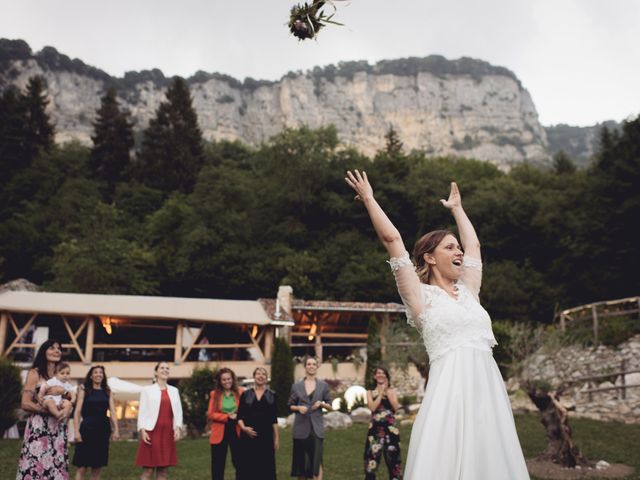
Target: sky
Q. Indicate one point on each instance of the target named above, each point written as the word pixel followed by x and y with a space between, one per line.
pixel 579 59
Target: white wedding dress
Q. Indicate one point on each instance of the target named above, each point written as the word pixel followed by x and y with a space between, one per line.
pixel 464 429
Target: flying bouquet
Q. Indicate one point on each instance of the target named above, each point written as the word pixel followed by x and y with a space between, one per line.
pixel 306 20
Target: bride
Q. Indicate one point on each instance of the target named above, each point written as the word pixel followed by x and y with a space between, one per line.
pixel 464 429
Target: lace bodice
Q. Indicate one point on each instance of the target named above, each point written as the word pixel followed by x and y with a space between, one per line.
pixel 445 322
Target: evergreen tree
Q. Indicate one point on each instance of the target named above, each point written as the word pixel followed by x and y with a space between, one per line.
pixel 562 164
pixel 172 149
pixel 40 131
pixel 13 125
pixel 112 142
pixel 393 145
pixel 374 352
pixel 282 374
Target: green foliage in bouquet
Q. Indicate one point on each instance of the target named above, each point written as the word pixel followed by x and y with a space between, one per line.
pixel 306 20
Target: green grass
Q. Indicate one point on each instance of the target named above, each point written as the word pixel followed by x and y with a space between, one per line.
pixel 614 442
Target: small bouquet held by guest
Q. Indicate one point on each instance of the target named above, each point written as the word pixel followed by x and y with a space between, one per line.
pixel 307 19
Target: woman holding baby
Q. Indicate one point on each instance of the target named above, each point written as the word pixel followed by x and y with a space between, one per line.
pixel 44 448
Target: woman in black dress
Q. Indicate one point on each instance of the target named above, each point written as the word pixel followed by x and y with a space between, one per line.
pixel 95 428
pixel 258 420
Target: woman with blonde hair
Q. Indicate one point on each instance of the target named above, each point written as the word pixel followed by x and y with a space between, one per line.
pixel 464 429
pixel 258 421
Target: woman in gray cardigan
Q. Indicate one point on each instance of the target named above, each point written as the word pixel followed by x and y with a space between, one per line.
pixel 308 397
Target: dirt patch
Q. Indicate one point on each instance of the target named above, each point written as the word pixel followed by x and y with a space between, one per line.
pixel 548 469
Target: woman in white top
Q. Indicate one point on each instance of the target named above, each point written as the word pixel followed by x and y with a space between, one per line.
pixel 464 429
pixel 159 424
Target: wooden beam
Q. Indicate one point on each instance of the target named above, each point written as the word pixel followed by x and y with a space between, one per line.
pixel 88 345
pixel 177 354
pixel 4 323
pixel 268 343
pixel 21 333
pixel 130 345
pixel 73 338
pixel 13 323
pixel 195 339
pixel 594 312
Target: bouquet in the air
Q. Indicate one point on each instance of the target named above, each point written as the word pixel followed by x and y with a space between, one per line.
pixel 307 19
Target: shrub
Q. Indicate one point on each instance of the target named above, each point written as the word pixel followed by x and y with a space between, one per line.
pixel 195 399
pixel 615 330
pixel 374 351
pixel 282 374
pixel 10 390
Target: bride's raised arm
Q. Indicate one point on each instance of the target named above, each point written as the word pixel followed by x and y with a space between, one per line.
pixel 472 276
pixel 406 279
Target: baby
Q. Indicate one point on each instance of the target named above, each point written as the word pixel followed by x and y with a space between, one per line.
pixel 55 404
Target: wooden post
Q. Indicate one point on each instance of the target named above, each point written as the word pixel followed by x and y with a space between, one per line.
pixel 268 343
pixel 384 325
pixel 88 348
pixel 594 312
pixel 177 357
pixel 563 322
pixel 623 369
pixel 4 322
pixel 590 395
pixel 318 347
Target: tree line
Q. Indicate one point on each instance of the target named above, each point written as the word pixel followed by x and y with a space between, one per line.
pixel 168 213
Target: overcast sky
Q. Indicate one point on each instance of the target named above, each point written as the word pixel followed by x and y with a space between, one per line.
pixel 579 59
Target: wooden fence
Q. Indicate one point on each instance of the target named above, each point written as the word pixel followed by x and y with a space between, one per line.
pixel 595 312
pixel 623 386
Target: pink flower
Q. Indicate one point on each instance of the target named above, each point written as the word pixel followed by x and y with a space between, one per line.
pixel 47 461
pixel 35 449
pixel 36 422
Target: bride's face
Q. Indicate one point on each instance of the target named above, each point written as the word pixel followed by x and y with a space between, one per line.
pixel 447 258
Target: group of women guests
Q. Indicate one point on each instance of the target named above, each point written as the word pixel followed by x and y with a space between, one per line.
pixel 243 423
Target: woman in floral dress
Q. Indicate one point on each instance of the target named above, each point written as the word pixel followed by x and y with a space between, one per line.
pixel 44 448
pixel 383 437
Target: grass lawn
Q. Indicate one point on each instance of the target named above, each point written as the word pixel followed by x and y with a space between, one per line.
pixel 613 442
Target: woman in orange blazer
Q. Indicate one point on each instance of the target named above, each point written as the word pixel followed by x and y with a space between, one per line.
pixel 225 432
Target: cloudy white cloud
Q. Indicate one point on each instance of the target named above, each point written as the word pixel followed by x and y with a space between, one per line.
pixel 578 58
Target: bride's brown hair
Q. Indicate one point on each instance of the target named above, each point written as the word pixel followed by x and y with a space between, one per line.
pixel 427 244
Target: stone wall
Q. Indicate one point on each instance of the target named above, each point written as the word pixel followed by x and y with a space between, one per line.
pixel 572 362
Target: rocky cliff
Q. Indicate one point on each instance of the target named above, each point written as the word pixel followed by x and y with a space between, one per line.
pixel 462 107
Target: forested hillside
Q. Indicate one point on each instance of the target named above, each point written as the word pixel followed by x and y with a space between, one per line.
pixel 185 217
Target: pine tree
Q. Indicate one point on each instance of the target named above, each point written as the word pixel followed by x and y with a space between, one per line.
pixel 282 374
pixel 374 352
pixel 562 164
pixel 112 142
pixel 393 145
pixel 40 131
pixel 13 125
pixel 172 150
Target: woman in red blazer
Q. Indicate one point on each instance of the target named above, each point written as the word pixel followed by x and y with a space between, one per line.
pixel 225 432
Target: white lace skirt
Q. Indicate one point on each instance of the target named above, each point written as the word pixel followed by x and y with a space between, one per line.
pixel 465 429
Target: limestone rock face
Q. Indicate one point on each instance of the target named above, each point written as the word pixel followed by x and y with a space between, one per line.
pixel 464 107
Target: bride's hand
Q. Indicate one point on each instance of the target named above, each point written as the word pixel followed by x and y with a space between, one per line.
pixel 454 201
pixel 360 183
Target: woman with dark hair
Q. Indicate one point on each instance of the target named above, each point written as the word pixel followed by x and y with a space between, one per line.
pixel 44 448
pixel 383 436
pixel 258 421
pixel 159 424
pixel 465 428
pixel 224 400
pixel 308 397
pixel 95 428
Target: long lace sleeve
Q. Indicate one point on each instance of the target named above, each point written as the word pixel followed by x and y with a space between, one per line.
pixel 472 275
pixel 409 287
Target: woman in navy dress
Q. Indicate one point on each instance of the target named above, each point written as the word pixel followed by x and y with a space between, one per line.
pixel 95 429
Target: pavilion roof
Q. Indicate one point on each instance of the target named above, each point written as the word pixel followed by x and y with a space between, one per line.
pixel 135 306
